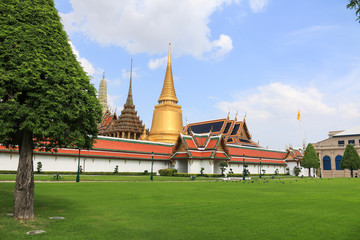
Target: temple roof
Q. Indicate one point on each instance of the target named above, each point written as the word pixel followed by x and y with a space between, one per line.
pixel 168 90
pixel 128 121
pixel 234 132
pixel 200 146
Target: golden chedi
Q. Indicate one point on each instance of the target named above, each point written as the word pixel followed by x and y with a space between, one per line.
pixel 167 118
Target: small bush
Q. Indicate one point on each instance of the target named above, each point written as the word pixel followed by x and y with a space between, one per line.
pixel 276 171
pixel 296 171
pixel 167 172
pixel 287 171
pixel 39 167
pixel 202 171
pixel 146 172
pixel 116 170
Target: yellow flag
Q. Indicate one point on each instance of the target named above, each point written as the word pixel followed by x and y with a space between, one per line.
pixel 298 117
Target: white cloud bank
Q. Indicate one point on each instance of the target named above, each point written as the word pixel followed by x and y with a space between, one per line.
pixel 147 26
pixel 272 110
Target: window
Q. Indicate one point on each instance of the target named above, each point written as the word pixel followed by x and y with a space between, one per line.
pixel 352 142
pixel 326 163
pixel 337 162
pixel 341 143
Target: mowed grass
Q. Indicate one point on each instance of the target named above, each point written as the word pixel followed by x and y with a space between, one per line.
pixel 277 209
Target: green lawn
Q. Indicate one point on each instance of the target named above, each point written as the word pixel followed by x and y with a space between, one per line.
pixel 279 209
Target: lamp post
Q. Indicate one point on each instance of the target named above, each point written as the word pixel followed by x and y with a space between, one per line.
pixel 78 171
pixel 243 166
pixel 260 167
pixel 152 165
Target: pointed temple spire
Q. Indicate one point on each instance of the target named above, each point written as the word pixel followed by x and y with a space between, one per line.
pixel 167 117
pixel 129 100
pixel 128 124
pixel 103 93
pixel 168 91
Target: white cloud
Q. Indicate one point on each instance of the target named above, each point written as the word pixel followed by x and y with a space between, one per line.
pixel 147 26
pixel 272 110
pixel 258 5
pixel 126 74
pixel 278 100
pixel 158 62
pixel 87 66
pixel 112 102
pixel 313 29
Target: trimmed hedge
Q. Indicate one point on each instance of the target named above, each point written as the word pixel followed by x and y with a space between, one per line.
pixel 196 175
pixel 167 172
pixel 83 173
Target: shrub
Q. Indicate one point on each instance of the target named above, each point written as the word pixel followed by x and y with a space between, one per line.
pixel 264 171
pixel 234 175
pixel 287 171
pixel 39 167
pixel 80 169
pixel 202 171
pixel 146 172
pixel 116 170
pixel 276 171
pixel 167 172
pixel 296 171
pixel 223 166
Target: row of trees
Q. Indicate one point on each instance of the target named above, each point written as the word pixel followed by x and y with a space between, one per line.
pixel 350 160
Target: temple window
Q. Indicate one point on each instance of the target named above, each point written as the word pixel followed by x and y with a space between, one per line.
pixel 341 143
pixel 352 142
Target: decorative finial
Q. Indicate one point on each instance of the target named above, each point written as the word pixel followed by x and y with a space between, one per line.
pixel 245 116
pixel 236 116
pixel 227 118
pixel 104 74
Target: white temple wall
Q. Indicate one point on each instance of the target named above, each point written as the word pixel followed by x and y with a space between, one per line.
pixel 194 166
pixel 65 163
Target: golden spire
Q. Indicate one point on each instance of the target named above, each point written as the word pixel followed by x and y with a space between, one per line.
pixel 168 92
pixel 129 100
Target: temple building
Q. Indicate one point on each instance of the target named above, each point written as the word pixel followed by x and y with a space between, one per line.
pixel 124 141
pixel 128 124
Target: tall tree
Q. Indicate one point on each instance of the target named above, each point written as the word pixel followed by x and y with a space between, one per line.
pixel 355 4
pixel 46 99
pixel 351 159
pixel 310 159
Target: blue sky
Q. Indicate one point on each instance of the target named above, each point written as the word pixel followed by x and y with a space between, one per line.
pixel 265 59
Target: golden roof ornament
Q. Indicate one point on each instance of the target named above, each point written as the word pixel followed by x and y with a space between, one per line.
pixel 168 91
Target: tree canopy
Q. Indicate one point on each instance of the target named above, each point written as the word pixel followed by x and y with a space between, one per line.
pixel 310 159
pixel 351 159
pixel 43 89
pixel 355 4
pixel 46 98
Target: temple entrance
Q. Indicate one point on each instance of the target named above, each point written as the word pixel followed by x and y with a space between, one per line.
pixel 182 166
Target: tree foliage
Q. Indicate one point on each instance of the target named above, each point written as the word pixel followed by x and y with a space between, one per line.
pixel 46 99
pixel 43 89
pixel 355 4
pixel 351 159
pixel 310 159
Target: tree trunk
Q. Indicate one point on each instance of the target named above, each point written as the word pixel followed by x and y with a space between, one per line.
pixel 309 173
pixel 24 187
pixel 351 172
